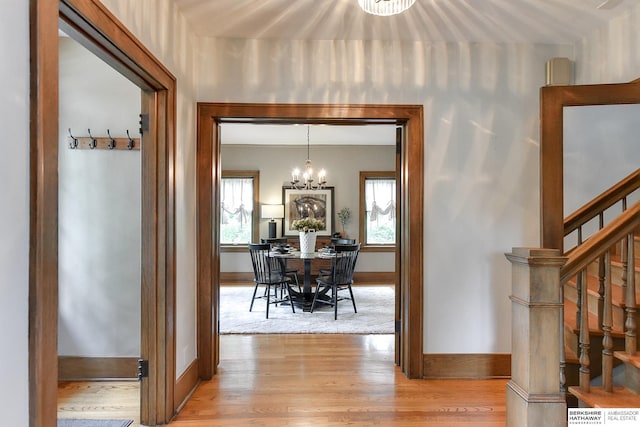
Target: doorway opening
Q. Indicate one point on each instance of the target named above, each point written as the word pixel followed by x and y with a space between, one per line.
pixel 99 310
pixel 409 254
pixel 257 162
pixel 91 24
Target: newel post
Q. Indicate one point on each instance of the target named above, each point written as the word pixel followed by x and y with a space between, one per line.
pixel 534 397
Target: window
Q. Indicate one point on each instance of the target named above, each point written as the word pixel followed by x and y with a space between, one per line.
pixel 378 208
pixel 238 212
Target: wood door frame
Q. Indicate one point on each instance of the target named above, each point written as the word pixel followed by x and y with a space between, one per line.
pixel 553 99
pixel 410 291
pixel 90 23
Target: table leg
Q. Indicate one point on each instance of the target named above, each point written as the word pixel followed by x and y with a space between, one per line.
pixel 306 289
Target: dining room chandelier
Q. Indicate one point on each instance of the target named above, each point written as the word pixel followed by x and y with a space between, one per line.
pixel 385 7
pixel 306 180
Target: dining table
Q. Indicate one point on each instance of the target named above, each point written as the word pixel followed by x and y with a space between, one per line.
pixel 304 299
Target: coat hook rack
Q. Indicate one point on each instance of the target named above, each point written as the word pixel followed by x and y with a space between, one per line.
pixel 93 143
pixel 102 143
pixel 112 142
pixel 73 142
pixel 131 142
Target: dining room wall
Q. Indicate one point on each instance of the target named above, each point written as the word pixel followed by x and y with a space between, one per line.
pixel 343 163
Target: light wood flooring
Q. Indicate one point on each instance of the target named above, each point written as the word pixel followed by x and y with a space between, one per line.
pixel 100 400
pixel 330 380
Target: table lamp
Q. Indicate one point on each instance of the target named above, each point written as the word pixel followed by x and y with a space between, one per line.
pixel 272 212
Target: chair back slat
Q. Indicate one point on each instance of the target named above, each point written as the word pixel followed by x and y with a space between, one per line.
pixel 344 263
pixel 265 268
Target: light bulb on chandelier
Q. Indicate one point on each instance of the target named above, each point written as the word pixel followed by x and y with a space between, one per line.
pixel 306 183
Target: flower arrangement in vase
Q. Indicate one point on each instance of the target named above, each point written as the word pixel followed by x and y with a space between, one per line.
pixel 307 232
pixel 306 224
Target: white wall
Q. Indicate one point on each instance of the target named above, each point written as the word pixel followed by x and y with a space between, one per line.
pixel 600 58
pixel 610 54
pixel 343 164
pixel 603 138
pixel 600 147
pixel 99 211
pixel 481 152
pixel 14 212
pixel 481 145
pixel 163 30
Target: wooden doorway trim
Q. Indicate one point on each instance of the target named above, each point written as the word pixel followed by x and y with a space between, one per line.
pixel 90 23
pixel 553 99
pixel 411 212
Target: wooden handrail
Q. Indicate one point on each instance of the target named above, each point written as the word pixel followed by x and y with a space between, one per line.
pixel 602 240
pixel 604 201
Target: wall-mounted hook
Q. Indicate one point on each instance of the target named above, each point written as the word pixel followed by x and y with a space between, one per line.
pixel 93 143
pixel 131 143
pixel 112 142
pixel 73 144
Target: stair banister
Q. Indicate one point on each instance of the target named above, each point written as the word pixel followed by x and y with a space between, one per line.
pixel 602 240
pixel 603 202
pixel 631 341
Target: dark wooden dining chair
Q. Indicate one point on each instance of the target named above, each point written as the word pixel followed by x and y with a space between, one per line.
pixel 275 241
pixel 336 241
pixel 339 279
pixel 288 270
pixel 269 272
pixel 339 241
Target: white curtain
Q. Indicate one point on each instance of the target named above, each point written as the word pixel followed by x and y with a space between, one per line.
pixel 380 197
pixel 237 200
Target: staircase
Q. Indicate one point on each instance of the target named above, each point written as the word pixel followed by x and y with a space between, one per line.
pixel 601 359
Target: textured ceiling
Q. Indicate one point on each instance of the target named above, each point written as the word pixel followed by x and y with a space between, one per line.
pixel 522 21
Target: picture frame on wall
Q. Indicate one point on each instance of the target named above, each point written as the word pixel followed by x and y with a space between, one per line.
pixel 304 203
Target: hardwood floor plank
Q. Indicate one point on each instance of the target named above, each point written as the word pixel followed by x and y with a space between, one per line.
pixel 332 380
pixel 306 380
pixel 100 400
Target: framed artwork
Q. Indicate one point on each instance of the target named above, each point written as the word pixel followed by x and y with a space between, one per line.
pixel 308 203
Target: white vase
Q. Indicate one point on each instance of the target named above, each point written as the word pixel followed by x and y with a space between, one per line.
pixel 308 241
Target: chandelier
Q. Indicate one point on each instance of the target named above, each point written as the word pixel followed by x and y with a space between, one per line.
pixel 385 7
pixel 306 183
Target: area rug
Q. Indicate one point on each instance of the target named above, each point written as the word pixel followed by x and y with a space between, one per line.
pixel 74 422
pixel 376 306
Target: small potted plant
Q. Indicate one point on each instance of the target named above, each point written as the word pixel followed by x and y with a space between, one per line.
pixel 344 215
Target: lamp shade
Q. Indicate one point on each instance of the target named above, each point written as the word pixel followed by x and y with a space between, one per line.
pixel 272 211
pixel 385 7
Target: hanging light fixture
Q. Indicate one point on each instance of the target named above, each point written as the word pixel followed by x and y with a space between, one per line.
pixel 305 182
pixel 385 7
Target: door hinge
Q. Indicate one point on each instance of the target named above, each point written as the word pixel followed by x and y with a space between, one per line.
pixel 398 326
pixel 144 123
pixel 143 369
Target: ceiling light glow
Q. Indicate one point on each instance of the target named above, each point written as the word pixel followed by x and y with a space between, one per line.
pixel 385 7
